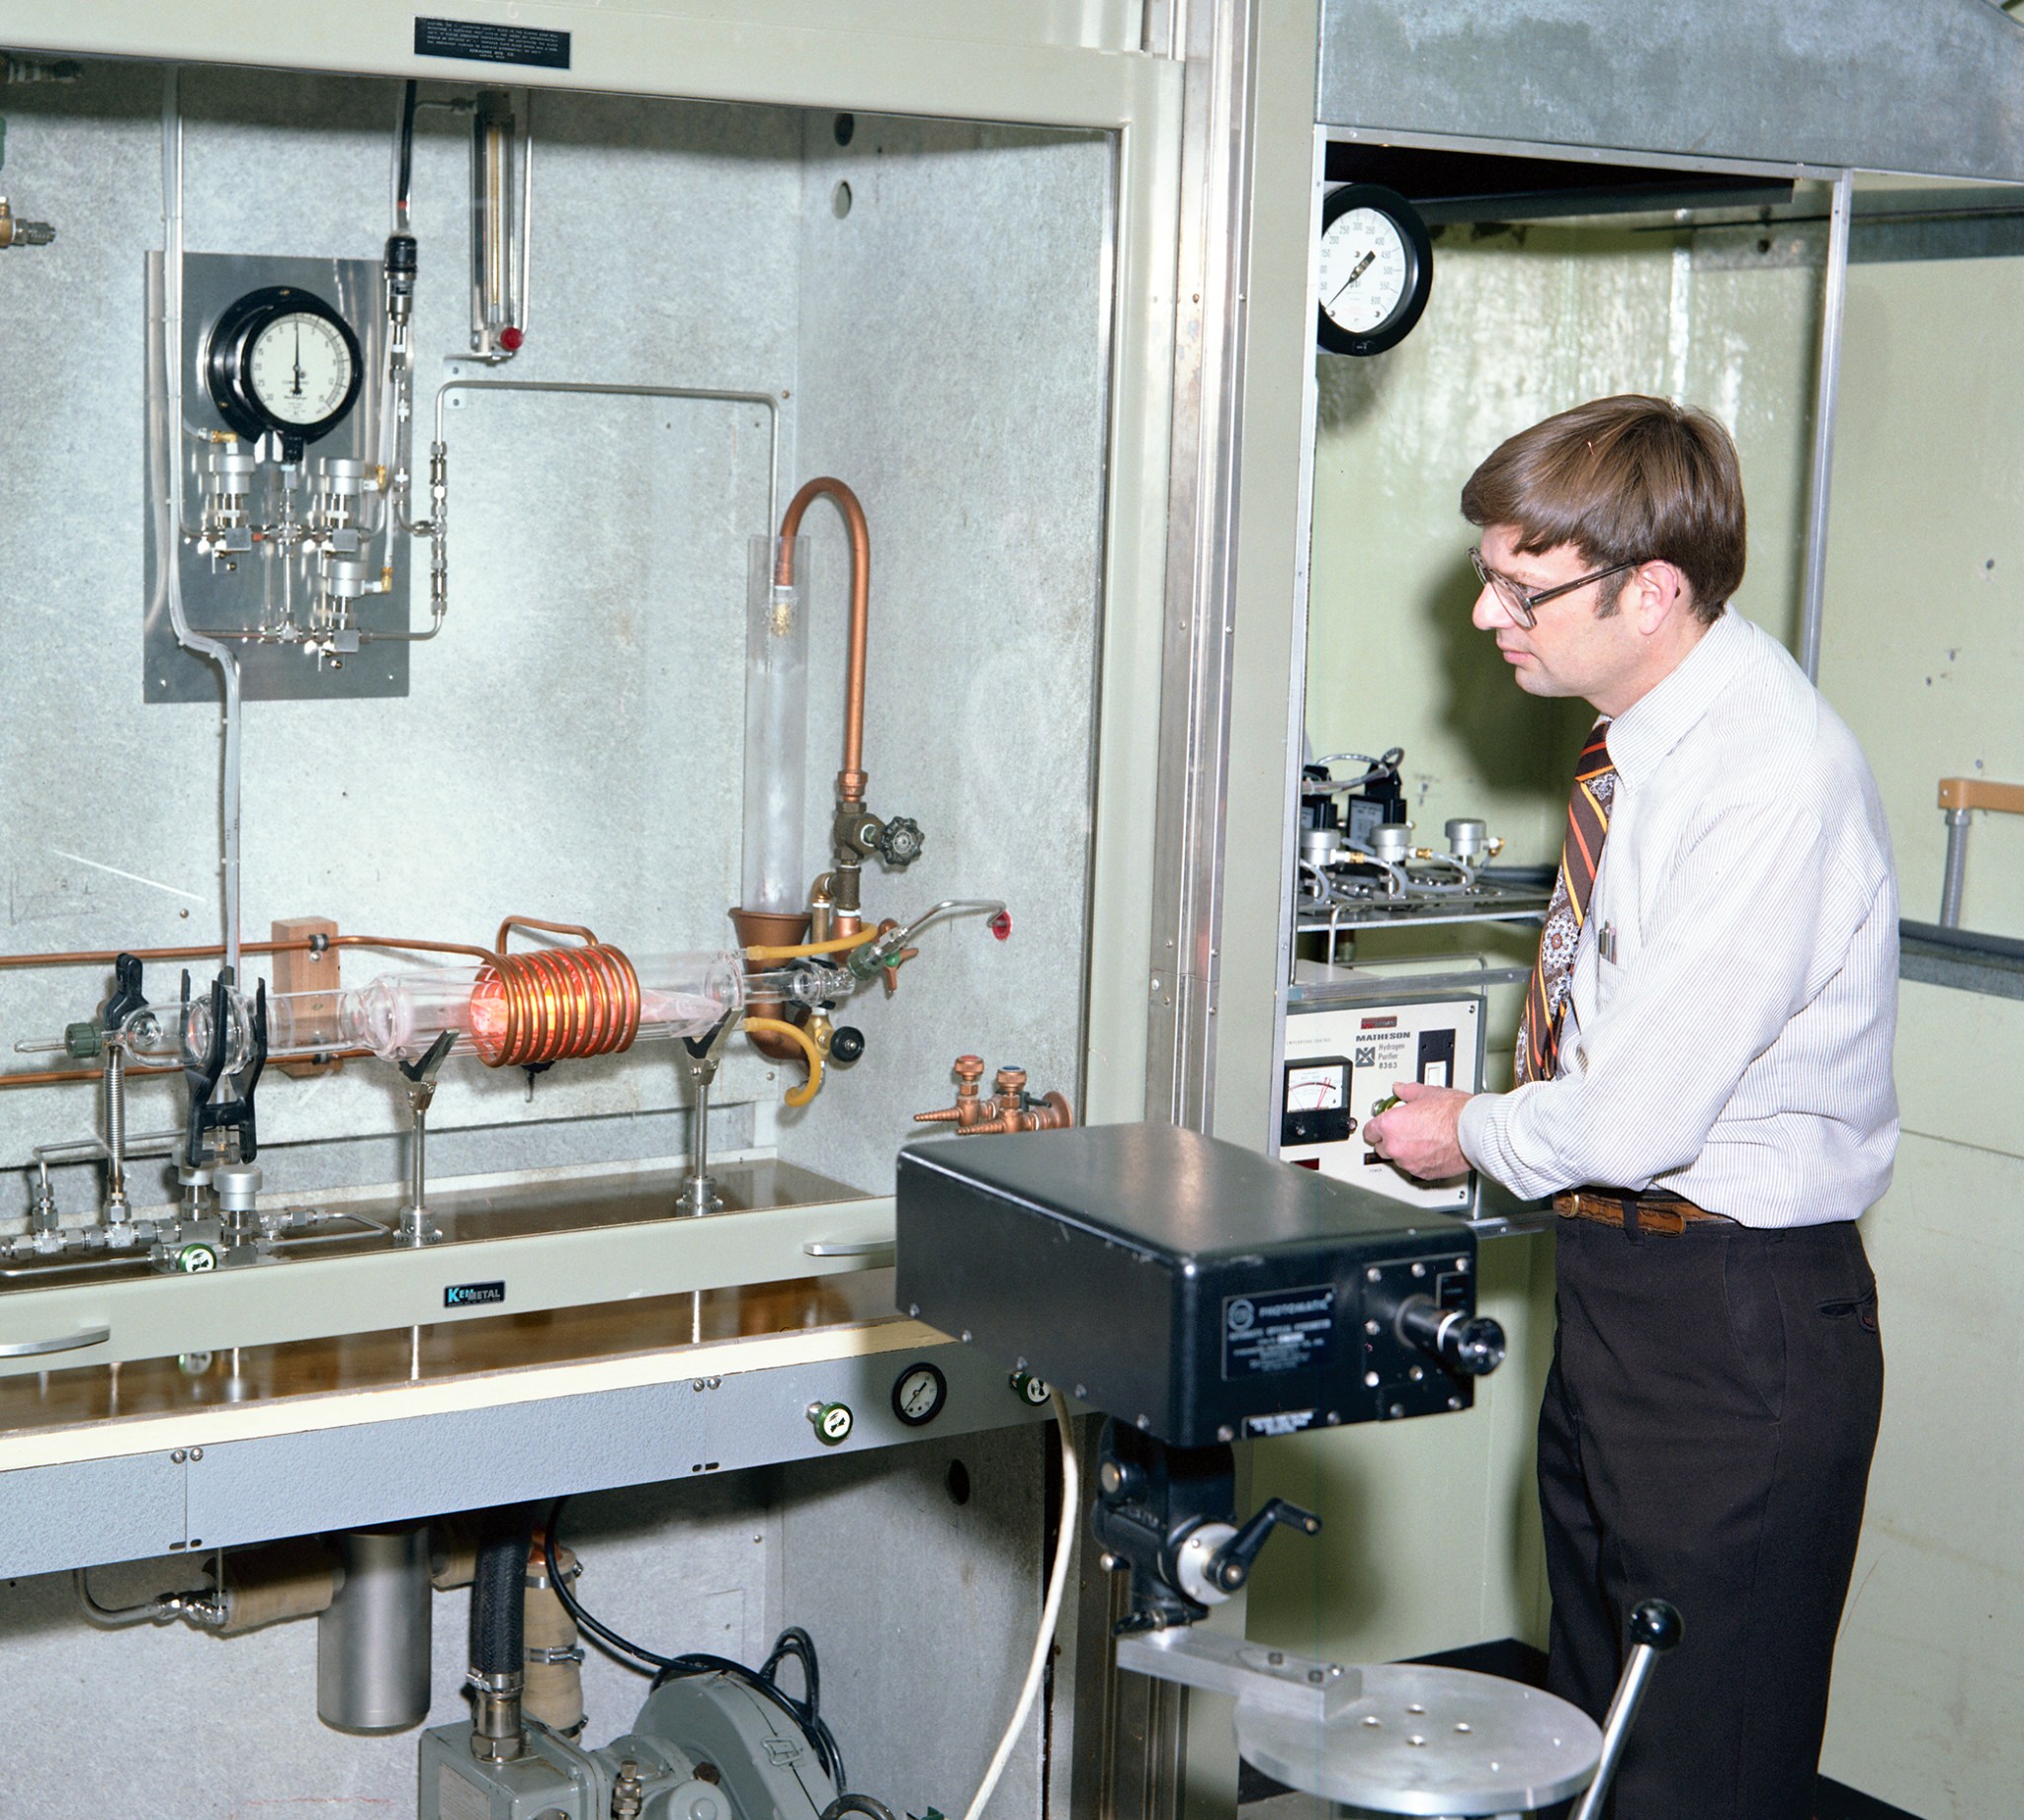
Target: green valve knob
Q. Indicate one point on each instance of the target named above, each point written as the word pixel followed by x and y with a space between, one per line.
pixel 1030 1389
pixel 81 1042
pixel 193 1258
pixel 833 1422
pixel 1384 1106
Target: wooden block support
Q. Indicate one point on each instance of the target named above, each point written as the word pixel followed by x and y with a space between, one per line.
pixel 307 970
pixel 1982 793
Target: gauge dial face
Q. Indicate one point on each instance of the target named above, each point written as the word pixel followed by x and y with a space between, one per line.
pixel 1374 270
pixel 282 361
pixel 1317 1090
pixel 1366 272
pixel 919 1393
pixel 299 367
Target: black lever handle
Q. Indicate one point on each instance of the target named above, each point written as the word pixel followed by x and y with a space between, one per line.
pixel 128 996
pixel 1470 1344
pixel 235 1114
pixel 1653 1629
pixel 1231 1564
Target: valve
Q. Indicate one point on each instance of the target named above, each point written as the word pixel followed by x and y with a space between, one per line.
pixel 901 841
pixel 1010 1109
pixel 846 1044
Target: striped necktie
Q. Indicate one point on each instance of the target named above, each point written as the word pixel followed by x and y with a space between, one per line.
pixel 1546 999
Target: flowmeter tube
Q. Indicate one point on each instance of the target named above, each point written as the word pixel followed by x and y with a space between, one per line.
pixel 776 726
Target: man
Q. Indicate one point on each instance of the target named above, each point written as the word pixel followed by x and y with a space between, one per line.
pixel 1705 1090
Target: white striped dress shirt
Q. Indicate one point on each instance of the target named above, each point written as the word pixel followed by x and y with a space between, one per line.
pixel 1735 987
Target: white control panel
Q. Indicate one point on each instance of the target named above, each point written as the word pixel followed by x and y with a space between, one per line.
pixel 1341 1063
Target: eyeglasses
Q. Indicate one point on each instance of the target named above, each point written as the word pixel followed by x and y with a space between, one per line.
pixel 1521 604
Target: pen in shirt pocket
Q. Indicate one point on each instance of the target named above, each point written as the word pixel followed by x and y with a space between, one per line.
pixel 1606 943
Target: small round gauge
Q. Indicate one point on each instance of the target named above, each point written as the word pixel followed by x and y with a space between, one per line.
pixel 1376 270
pixel 918 1394
pixel 280 362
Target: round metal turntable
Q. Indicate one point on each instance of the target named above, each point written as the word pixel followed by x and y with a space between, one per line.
pixel 1429 1740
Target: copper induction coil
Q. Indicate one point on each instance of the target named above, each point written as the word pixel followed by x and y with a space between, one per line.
pixel 555 1004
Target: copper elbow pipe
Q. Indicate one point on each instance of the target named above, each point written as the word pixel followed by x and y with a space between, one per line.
pixel 850 781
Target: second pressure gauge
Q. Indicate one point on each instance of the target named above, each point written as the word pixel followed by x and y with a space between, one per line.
pixel 280 362
pixel 918 1394
pixel 1377 269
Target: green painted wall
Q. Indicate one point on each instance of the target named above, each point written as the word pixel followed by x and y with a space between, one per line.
pixel 1432 1533
pixel 1923 654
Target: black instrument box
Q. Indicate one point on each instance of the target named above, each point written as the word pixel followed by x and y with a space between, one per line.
pixel 1199 1291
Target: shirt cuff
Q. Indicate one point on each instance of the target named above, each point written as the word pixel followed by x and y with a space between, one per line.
pixel 1484 1134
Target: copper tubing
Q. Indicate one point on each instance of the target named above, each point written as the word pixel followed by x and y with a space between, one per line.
pixel 557 1004
pixel 850 781
pixel 50 1077
pixel 105 957
pixel 553 928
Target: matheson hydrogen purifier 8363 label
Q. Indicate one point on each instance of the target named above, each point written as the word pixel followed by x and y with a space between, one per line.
pixel 1285 1330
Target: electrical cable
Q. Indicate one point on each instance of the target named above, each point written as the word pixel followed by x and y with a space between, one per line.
pixel 407 152
pixel 1049 1615
pixel 794 1641
pixel 856 1804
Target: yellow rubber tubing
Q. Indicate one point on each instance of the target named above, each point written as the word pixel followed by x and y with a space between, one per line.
pixel 836 947
pixel 779 1027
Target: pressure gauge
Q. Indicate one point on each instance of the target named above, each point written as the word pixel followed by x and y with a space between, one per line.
pixel 280 362
pixel 918 1394
pixel 1377 269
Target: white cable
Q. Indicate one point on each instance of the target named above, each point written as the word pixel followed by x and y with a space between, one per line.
pixel 1051 1612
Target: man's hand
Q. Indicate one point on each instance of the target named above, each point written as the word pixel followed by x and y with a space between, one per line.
pixel 1419 1133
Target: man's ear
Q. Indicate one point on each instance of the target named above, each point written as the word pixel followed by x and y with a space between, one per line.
pixel 1659 594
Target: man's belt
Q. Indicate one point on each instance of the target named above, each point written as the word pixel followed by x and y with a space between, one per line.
pixel 1647 1212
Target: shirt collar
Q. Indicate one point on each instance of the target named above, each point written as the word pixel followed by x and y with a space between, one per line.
pixel 1646 731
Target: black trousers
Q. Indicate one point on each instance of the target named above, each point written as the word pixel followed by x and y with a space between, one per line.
pixel 1706 1439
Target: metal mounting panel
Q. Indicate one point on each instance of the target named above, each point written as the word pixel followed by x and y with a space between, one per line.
pixel 268 671
pixel 1791 82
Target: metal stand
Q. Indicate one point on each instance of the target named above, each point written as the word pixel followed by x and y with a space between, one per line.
pixel 419 1078
pixel 1400 1738
pixel 698 1193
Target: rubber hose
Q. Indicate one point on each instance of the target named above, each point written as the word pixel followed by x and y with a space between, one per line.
pixel 498 1634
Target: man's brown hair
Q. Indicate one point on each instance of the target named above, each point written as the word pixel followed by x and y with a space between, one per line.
pixel 1624 479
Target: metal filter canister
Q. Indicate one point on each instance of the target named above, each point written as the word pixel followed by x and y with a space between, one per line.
pixel 372 1642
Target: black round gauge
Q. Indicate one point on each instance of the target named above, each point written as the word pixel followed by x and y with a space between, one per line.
pixel 1377 269
pixel 280 362
pixel 918 1394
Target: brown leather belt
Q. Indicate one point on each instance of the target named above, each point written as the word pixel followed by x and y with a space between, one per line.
pixel 1609 1206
